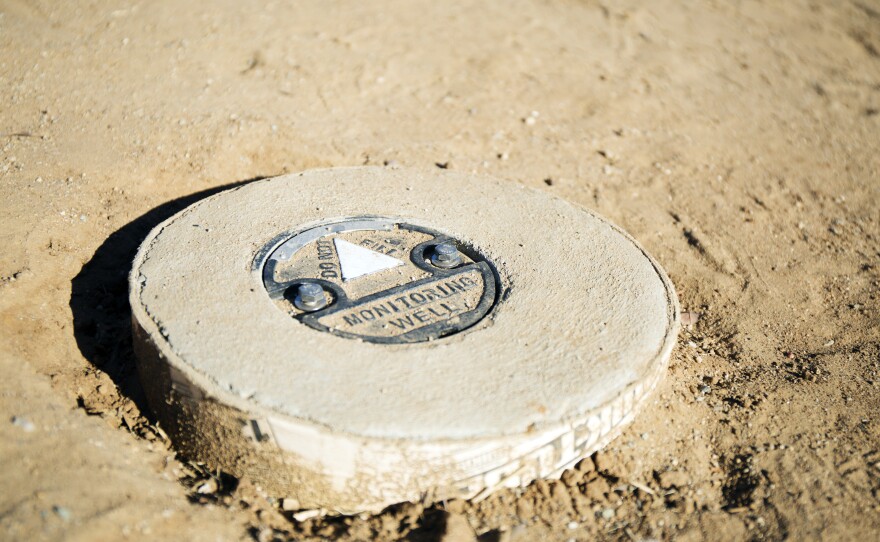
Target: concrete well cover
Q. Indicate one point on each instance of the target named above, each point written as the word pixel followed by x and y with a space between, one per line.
pixel 532 331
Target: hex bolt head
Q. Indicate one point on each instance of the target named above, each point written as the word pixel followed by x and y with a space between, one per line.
pixel 310 297
pixel 445 256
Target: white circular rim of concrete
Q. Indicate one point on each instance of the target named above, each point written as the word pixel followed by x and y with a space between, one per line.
pixel 582 331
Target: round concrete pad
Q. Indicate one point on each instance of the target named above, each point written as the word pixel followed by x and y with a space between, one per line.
pixel 582 329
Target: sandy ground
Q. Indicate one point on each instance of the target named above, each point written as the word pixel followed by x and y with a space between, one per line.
pixel 739 142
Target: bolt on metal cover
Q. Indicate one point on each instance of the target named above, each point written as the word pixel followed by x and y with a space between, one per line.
pixel 310 297
pixel 445 255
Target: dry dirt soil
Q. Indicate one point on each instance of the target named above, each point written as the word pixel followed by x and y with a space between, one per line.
pixel 739 142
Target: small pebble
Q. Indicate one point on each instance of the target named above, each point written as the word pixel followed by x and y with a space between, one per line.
pixel 608 513
pixel 62 512
pixel 24 423
pixel 208 487
pixel 690 318
pixel 306 514
pixel 289 505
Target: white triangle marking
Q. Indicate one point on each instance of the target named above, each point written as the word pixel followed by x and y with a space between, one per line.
pixel 357 261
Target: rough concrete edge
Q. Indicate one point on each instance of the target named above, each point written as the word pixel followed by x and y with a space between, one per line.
pixel 220 434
